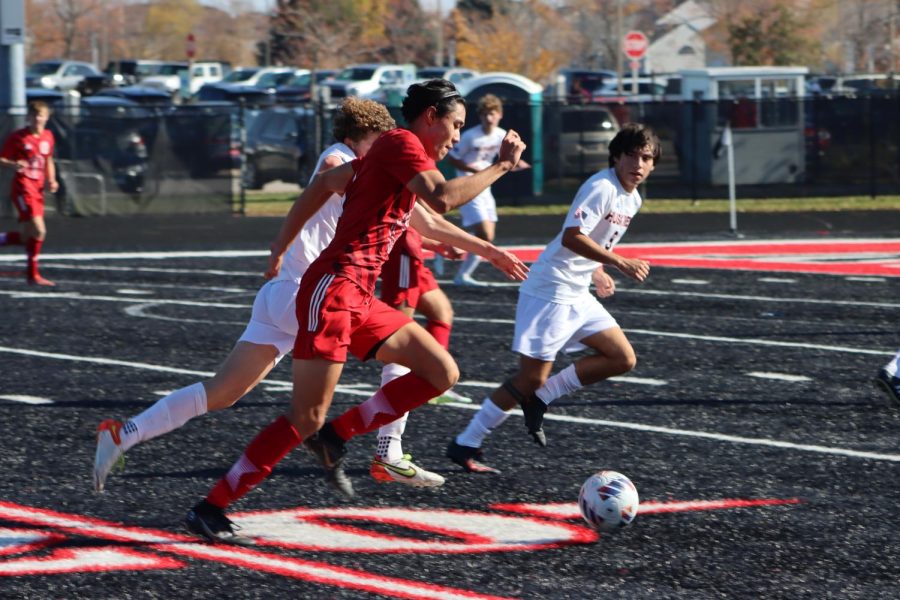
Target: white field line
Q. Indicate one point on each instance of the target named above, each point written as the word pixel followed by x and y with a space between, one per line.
pixel 25 399
pixel 720 437
pixel 779 376
pixel 85 256
pixel 552 417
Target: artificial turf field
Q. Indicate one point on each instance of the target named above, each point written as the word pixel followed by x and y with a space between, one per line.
pixel 766 461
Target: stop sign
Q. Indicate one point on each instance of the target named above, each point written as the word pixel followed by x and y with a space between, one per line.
pixel 190 45
pixel 635 44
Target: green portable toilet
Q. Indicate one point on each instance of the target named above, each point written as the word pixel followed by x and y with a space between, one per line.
pixel 522 111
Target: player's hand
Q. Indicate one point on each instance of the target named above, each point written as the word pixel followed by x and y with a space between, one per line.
pixel 509 263
pixel 511 148
pixel 635 268
pixel 21 165
pixel 448 251
pixel 604 284
pixel 275 260
pixel 54 186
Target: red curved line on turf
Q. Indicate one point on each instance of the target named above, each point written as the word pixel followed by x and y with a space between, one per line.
pixel 146 562
pixel 569 510
pixel 48 539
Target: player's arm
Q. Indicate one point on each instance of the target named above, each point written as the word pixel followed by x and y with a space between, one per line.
pixel 322 186
pixel 433 225
pixel 582 245
pixel 51 174
pixel 443 195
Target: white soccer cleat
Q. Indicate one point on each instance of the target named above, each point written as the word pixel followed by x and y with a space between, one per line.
pixel 450 396
pixel 109 451
pixel 404 471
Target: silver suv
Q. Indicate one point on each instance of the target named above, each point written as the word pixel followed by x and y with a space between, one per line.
pixel 62 75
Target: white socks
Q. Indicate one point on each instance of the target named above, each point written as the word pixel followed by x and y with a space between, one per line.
pixel 468 266
pixel 488 417
pixel 168 413
pixel 564 382
pixel 893 367
pixel 390 436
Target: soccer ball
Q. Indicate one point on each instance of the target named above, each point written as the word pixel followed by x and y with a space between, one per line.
pixel 608 501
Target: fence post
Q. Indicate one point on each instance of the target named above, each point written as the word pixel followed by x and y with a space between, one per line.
pixel 242 131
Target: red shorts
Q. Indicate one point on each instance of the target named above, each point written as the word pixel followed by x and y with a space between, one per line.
pixel 29 204
pixel 335 315
pixel 405 279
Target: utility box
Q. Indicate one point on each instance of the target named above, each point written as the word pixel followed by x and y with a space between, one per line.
pixel 522 111
pixel 765 108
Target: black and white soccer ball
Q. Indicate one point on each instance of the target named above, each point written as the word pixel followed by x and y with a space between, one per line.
pixel 608 501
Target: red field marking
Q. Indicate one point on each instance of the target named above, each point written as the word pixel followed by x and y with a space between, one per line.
pixel 569 510
pixel 834 257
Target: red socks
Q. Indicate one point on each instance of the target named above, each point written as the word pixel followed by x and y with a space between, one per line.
pixel 395 398
pixel 439 331
pixel 33 249
pixel 265 451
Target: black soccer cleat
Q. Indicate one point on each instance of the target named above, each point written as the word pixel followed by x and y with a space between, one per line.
pixel 329 449
pixel 890 384
pixel 209 522
pixel 468 458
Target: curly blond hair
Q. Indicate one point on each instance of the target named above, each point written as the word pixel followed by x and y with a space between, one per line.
pixel 356 118
pixel 489 102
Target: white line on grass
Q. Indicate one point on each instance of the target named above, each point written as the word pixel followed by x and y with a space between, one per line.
pixel 721 437
pixel 778 376
pixel 552 417
pixel 25 399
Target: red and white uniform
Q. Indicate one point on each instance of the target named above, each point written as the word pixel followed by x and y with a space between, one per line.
pixel 28 185
pixel 404 277
pixel 336 307
pixel 273 321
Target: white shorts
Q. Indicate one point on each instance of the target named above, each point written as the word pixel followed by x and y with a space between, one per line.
pixel 544 328
pixel 482 208
pixel 273 321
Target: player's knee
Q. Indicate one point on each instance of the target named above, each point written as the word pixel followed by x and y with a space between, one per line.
pixel 625 361
pixel 445 375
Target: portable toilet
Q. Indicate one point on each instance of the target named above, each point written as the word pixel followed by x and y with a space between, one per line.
pixel 522 107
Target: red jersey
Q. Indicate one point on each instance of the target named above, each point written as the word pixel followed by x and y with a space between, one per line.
pixel 377 209
pixel 410 245
pixel 36 150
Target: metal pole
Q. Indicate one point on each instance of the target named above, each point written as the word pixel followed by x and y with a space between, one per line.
pixel 242 129
pixel 619 40
pixel 727 141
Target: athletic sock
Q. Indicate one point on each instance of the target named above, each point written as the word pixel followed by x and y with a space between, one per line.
pixel 468 266
pixel 33 249
pixel 893 367
pixel 488 417
pixel 387 404
pixel 166 414
pixel 392 371
pixel 439 331
pixel 390 439
pixel 10 238
pixel 564 382
pixel 265 451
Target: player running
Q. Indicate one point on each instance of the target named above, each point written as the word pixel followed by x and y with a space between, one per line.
pixel 556 310
pixel 337 312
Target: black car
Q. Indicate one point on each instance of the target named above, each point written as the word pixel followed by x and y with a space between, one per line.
pixel 143 95
pixel 205 137
pixel 277 147
pixel 297 89
pixel 235 92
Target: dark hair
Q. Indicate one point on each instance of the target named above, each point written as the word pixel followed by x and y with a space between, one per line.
pixel 633 137
pixel 438 93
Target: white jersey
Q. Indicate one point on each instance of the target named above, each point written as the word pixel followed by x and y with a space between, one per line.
pixel 602 210
pixel 477 148
pixel 318 232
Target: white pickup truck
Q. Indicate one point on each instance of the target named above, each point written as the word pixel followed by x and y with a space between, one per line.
pixel 201 73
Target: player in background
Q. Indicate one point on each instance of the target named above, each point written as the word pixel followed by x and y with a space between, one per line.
pixel 556 310
pixel 29 151
pixel 337 312
pixel 410 287
pixel 273 324
pixel 475 151
pixel 888 379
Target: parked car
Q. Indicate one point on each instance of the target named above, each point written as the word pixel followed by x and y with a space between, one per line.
pixel 276 147
pixel 141 94
pixel 649 89
pixel 262 77
pixel 205 137
pixel 130 72
pixel 582 144
pixel 201 73
pixel 365 79
pixel 297 88
pixel 577 85
pixel 60 75
pixel 455 75
pixel 235 92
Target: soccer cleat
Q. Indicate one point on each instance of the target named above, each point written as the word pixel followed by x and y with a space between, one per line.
pixel 450 396
pixel 533 409
pixel 38 280
pixel 890 384
pixel 404 471
pixel 329 450
pixel 468 458
pixel 209 522
pixel 109 451
pixel 468 280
